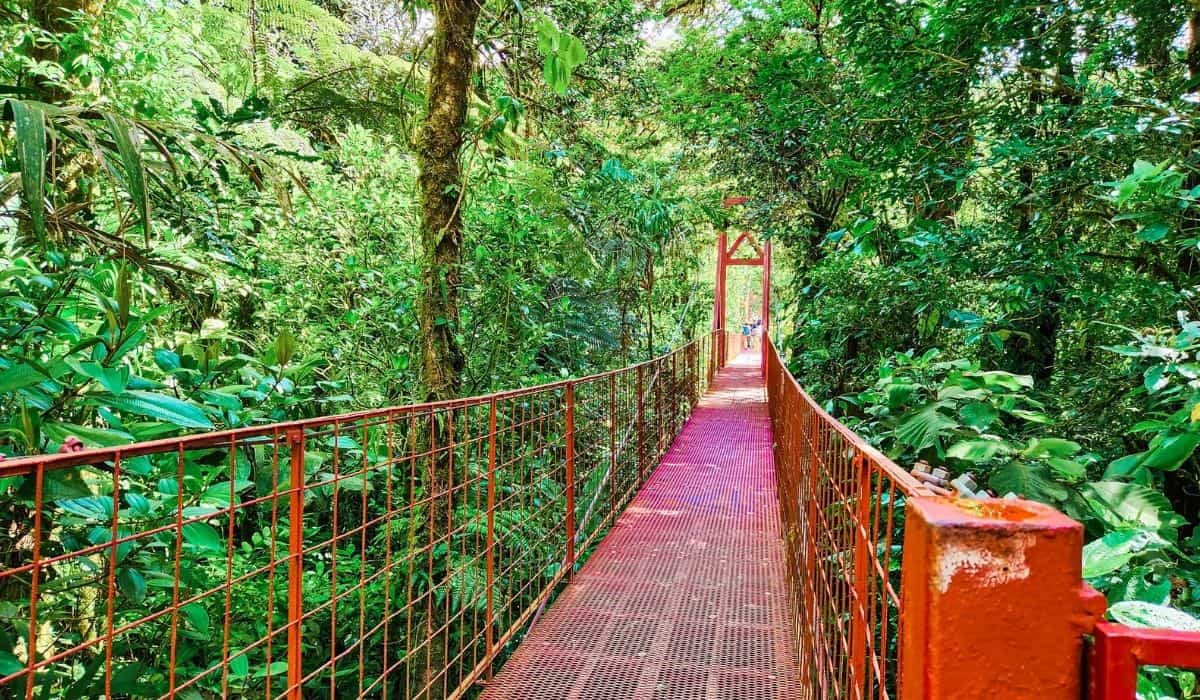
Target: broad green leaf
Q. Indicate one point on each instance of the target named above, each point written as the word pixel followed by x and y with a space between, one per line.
pixel 159 407
pixel 276 668
pixel 124 135
pixel 1154 232
pixel 1067 469
pixel 1125 466
pixel 1129 505
pixel 198 616
pixel 138 503
pixel 239 665
pixel 1031 416
pixel 1030 480
pixel 65 484
pixel 219 492
pixel 1154 379
pixel 574 53
pixel 1050 447
pixel 924 427
pixel 132 584
pixel 1002 380
pixel 96 508
pixel 90 437
pixel 978 450
pixel 9 664
pixel 978 414
pixel 22 375
pixel 1116 549
pixel 166 360
pixel 114 379
pixel 1171 451
pixel 29 128
pixel 203 536
pixel 285 347
pixel 1136 613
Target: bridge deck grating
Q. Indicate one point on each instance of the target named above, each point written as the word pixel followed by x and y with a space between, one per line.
pixel 685 599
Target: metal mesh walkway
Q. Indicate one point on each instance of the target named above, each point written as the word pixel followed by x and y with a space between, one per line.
pixel 686 597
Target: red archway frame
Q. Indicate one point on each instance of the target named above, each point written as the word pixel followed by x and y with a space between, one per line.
pixel 727 255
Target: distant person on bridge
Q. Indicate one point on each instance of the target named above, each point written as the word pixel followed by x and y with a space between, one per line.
pixel 746 342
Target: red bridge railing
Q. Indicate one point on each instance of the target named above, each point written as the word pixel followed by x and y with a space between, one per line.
pixel 398 553
pixel 390 553
pixel 900 593
pixel 842 505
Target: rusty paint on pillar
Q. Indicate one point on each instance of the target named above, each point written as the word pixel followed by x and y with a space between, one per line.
pixel 994 601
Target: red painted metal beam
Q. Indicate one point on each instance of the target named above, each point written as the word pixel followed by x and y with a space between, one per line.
pixel 1117 652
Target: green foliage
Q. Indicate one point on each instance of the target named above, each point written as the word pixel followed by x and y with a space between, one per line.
pixel 563 53
pixel 208 220
pixel 1013 186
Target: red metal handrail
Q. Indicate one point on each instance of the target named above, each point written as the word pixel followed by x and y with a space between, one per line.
pixel 384 553
pixel 844 507
pixel 841 502
pixel 1119 651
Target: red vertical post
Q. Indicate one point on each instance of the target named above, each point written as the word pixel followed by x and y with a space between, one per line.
pixel 813 528
pixel 766 303
pixel 491 536
pixel 570 478
pixel 612 444
pixel 1113 665
pixel 864 555
pixel 719 296
pixel 295 663
pixel 993 598
pixel 694 379
pixel 659 365
pixel 641 426
pixel 677 392
pixel 1118 651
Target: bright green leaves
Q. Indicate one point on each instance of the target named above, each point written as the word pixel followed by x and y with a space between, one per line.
pixel 125 135
pixel 203 537
pixel 978 450
pixel 1150 196
pixel 1136 613
pixel 1120 505
pixel 162 407
pixel 562 53
pixel 1116 549
pixel 925 427
pixel 506 113
pixel 285 347
pixel 1166 360
pixel 29 126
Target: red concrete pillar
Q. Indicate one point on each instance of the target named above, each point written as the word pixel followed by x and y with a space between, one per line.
pixel 994 602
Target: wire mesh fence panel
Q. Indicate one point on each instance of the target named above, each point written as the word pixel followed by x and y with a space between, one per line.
pixel 385 554
pixel 842 504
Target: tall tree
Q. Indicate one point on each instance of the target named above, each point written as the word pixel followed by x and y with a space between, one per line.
pixel 442 192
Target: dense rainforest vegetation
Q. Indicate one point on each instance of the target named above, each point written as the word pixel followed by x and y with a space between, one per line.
pixel 220 213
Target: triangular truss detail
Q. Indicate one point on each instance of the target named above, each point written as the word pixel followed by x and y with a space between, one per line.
pixel 748 238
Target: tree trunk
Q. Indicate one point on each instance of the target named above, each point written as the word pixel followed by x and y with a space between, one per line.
pixel 59 17
pixel 442 192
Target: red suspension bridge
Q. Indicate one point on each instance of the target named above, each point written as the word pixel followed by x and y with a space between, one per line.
pixel 694 526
